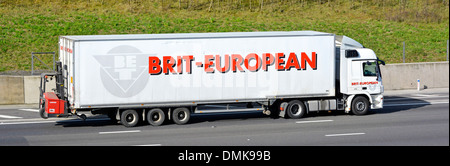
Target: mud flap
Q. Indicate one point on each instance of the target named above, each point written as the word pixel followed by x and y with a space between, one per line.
pixel 283 107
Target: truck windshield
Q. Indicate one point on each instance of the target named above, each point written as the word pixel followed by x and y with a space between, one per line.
pixel 370 69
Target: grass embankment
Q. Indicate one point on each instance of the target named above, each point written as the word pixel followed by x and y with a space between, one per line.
pixel 29 26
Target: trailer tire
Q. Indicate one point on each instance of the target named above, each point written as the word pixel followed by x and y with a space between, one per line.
pixel 181 115
pixel 360 105
pixel 156 117
pixel 129 118
pixel 295 109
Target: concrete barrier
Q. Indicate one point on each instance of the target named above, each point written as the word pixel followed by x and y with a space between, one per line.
pixel 404 75
pixel 31 89
pixel 21 89
pixel 11 90
pixel 25 89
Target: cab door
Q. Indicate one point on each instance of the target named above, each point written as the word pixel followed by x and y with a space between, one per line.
pixel 365 77
pixel 371 79
pixel 355 77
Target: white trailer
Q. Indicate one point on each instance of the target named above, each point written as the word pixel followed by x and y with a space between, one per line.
pixel 154 77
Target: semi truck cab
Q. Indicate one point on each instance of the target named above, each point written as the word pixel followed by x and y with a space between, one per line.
pixel 359 76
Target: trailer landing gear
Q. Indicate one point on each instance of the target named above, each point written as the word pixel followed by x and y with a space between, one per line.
pixel 82 117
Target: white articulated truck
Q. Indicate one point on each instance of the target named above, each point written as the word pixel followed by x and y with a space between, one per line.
pixel 158 77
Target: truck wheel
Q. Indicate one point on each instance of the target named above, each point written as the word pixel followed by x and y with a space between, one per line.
pixel 295 109
pixel 181 115
pixel 360 105
pixel 129 118
pixel 156 117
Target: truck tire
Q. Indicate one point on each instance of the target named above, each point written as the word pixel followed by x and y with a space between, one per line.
pixel 295 109
pixel 360 105
pixel 129 118
pixel 181 115
pixel 156 117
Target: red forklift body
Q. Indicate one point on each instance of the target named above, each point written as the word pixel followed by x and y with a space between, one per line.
pixel 53 105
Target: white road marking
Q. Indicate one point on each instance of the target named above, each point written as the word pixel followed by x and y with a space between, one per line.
pixel 21 120
pixel 150 145
pixel 14 123
pixel 313 121
pixel 425 95
pixel 345 134
pixel 30 110
pixel 117 132
pixel 40 120
pixel 9 117
pixel 422 103
pixel 409 98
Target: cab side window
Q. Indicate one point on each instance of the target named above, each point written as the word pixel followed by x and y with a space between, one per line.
pixel 369 69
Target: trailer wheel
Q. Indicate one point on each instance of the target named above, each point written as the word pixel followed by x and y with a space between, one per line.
pixel 360 105
pixel 156 117
pixel 181 115
pixel 129 118
pixel 295 109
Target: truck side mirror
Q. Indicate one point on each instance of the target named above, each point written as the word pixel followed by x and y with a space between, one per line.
pixel 381 61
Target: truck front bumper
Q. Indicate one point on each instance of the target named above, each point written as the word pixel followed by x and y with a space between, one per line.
pixel 377 101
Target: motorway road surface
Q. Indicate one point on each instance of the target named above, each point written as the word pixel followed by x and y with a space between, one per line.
pixel 407 119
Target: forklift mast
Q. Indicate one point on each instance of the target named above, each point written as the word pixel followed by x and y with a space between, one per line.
pixel 53 103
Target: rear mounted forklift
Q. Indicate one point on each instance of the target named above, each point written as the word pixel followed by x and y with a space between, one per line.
pixel 54 104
